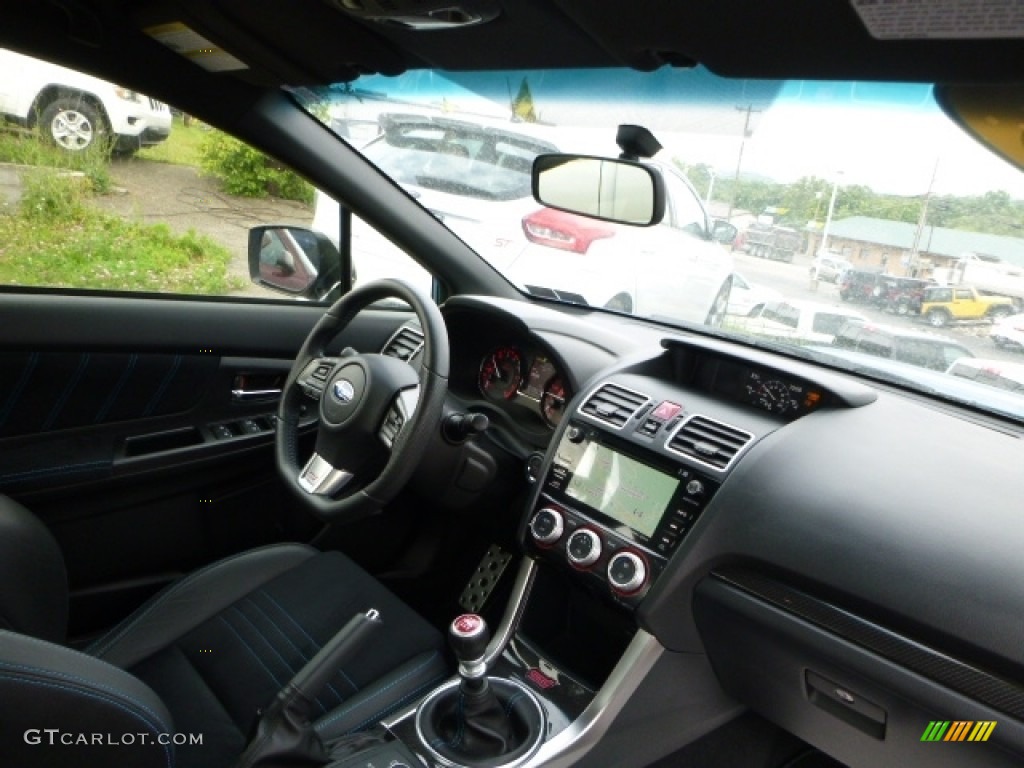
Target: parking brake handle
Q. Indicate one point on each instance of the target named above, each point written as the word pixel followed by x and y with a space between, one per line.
pixel 284 734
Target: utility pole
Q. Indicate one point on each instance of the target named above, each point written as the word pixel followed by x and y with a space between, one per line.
pixel 749 109
pixel 711 187
pixel 823 249
pixel 922 220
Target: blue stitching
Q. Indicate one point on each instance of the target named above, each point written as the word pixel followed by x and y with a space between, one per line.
pixel 298 626
pixel 159 394
pixel 15 395
pixel 512 701
pixel 298 650
pixel 266 669
pixel 398 704
pixel 63 469
pixel 89 694
pixel 265 639
pixel 460 715
pixel 116 392
pixel 93 684
pixel 102 644
pixel 72 385
pixel 386 688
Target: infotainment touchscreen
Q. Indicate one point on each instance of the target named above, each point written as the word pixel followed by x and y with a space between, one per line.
pixel 615 485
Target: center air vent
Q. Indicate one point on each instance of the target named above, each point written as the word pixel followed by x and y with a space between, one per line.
pixel 405 343
pixel 613 404
pixel 709 442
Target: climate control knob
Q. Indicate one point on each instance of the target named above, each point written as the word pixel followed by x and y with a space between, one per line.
pixel 627 572
pixel 547 526
pixel 583 548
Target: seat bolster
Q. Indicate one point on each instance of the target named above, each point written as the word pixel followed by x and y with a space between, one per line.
pixel 190 601
pixel 54 697
pixel 33 582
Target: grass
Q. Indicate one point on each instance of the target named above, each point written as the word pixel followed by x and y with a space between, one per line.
pixel 58 239
pixel 24 147
pixel 182 147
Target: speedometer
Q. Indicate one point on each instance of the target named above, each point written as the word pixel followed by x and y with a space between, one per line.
pixel 500 373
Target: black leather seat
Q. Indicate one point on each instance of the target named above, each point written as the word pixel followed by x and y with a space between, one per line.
pixel 203 657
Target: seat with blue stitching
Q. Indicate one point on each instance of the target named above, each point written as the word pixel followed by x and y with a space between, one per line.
pixel 204 656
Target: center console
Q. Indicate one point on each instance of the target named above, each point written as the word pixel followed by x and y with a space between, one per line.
pixel 614 512
pixel 630 474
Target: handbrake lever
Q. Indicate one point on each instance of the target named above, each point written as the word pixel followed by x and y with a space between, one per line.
pixel 284 734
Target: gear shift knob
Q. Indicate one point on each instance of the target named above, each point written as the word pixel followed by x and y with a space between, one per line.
pixel 469 636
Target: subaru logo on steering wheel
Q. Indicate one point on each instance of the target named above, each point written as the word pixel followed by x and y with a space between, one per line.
pixel 344 391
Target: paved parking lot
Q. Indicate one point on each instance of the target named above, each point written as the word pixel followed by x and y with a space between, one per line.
pixel 794 282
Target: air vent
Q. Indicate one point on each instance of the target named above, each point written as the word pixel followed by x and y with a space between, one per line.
pixel 613 404
pixel 405 343
pixel 709 442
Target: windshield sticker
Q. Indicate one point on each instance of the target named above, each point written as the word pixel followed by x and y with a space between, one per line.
pixel 941 19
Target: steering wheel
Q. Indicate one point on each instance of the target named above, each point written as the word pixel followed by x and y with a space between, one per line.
pixel 377 414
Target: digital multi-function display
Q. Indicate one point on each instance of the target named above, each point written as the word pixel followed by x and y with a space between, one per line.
pixel 622 488
pixel 649 500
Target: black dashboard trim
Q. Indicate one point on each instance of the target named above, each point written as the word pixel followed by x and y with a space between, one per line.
pixel 964 678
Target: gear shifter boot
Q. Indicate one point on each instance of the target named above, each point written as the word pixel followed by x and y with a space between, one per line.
pixel 491 725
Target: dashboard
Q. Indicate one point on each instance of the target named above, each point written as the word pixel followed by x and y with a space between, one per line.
pixel 787 521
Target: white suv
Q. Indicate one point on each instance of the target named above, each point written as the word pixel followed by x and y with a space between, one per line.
pixel 829 268
pixel 75 110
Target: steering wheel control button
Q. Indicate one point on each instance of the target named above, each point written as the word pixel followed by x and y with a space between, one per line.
pixel 547 526
pixel 627 573
pixel 344 393
pixel 583 548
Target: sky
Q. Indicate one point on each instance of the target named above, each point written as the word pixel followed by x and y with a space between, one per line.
pixel 890 137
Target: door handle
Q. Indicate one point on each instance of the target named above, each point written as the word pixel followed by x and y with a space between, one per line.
pixel 255 395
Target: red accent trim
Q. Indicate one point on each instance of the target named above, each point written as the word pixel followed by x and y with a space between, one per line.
pixel 468 624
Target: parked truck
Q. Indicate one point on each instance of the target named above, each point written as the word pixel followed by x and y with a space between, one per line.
pixel 772 242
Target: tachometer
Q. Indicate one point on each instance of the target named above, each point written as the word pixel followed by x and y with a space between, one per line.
pixel 500 373
pixel 553 401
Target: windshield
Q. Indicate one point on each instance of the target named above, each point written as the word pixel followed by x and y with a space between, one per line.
pixel 848 202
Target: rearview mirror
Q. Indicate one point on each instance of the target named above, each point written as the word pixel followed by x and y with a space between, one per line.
pixel 289 259
pixel 611 190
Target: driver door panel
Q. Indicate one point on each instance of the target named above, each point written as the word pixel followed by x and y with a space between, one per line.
pixel 141 432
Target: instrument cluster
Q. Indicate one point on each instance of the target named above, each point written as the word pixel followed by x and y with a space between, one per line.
pixel 510 375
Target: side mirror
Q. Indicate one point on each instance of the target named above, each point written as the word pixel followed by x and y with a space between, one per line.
pixel 723 232
pixel 289 259
pixel 611 190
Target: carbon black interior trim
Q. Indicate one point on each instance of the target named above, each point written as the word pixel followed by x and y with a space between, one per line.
pixel 959 676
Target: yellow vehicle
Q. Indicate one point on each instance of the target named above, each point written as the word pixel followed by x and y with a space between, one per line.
pixel 944 304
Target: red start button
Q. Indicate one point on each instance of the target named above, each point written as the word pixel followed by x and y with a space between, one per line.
pixel 667 410
pixel 468 624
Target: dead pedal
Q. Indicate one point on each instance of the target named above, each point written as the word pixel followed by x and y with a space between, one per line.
pixel 484 579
